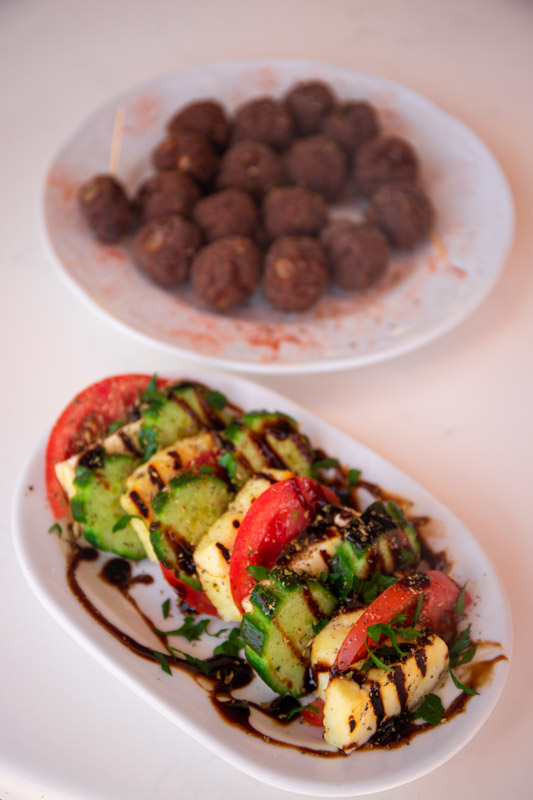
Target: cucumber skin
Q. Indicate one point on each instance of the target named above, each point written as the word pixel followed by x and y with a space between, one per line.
pixel 270 648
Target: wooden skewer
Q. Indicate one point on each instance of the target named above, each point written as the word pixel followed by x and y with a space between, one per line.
pixel 116 144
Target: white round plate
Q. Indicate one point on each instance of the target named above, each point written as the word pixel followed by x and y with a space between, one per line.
pixel 423 295
pixel 43 560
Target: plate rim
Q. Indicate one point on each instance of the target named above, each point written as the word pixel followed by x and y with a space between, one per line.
pixel 319 365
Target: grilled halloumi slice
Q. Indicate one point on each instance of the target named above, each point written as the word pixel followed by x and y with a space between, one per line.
pixel 326 645
pixel 212 554
pixel 357 703
pixel 154 475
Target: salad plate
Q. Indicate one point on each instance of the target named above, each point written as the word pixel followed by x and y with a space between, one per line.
pixel 424 294
pixel 184 700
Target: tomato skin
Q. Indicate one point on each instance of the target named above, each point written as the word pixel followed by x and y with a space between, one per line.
pixel 194 598
pixel 86 419
pixel 314 718
pixel 278 515
pixel 440 594
pixel 438 610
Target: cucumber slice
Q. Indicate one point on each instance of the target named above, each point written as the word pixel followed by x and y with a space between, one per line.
pixel 281 626
pixel 381 539
pixel 95 505
pixel 183 514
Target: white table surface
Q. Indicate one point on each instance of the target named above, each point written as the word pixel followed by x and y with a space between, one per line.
pixel 456 414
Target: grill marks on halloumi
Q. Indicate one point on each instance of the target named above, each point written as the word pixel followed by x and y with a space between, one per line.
pixel 357 703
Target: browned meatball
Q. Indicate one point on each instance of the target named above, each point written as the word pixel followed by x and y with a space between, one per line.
pixel 404 213
pixel 170 192
pixel 293 211
pixel 264 120
pixel 251 166
pixel 295 273
pixel 357 254
pixel 106 208
pixel 225 273
pixel 385 159
pixel 164 248
pixel 205 117
pixel 187 152
pixel 225 213
pixel 351 124
pixel 318 164
pixel 308 103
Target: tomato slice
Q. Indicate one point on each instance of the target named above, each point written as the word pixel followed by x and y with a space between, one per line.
pixel 400 598
pixel 278 515
pixel 440 596
pixel 194 598
pixel 86 419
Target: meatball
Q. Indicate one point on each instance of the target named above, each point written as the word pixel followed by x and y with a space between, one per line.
pixel 385 159
pixel 318 164
pixel 170 192
pixel 295 273
pixel 293 211
pixel 225 273
pixel 188 152
pixel 251 166
pixel 351 124
pixel 308 104
pixel 205 117
pixel 106 208
pixel 404 213
pixel 264 120
pixel 357 254
pixel 164 248
pixel 225 213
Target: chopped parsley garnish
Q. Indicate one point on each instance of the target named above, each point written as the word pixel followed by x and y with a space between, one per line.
pixel 148 441
pixel 160 501
pixel 430 710
pixel 162 661
pixel 83 475
pixel 203 666
pixel 319 626
pixel 232 646
pixel 216 400
pixel 258 572
pixel 153 399
pixel 228 462
pixel 353 477
pixel 56 528
pixel 165 608
pixel 181 480
pixel 115 426
pixel 459 606
pixel 418 610
pixel 121 523
pixel 407 555
pixel 462 651
pixel 190 630
pixel 77 509
pixel 322 464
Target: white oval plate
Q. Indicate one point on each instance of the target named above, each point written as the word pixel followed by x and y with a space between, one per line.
pixel 180 699
pixel 423 295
